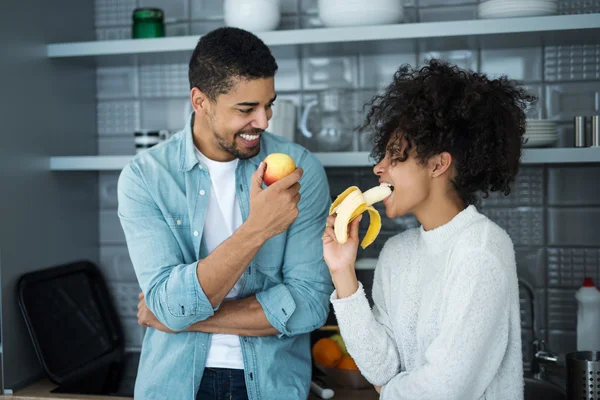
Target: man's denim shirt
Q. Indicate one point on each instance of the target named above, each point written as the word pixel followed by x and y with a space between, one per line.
pixel 163 197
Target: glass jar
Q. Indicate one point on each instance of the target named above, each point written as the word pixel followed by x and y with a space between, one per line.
pixel 148 23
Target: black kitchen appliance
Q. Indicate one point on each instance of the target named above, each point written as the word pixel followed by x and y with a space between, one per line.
pixel 76 330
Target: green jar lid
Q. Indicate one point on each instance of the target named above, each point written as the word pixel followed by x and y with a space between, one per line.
pixel 154 14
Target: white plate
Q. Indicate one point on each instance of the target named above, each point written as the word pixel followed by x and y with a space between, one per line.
pixel 540 142
pixel 542 131
pixel 517 9
pixel 540 128
pixel 527 4
pixel 515 14
pixel 520 3
pixel 504 7
pixel 528 133
pixel 541 137
pixel 541 121
pixel 541 134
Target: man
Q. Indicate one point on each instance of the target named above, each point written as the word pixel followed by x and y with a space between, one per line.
pixel 231 272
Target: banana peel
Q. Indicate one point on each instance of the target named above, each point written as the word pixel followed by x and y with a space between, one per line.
pixel 350 204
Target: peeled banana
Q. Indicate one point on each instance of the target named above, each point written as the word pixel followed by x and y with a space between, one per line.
pixel 352 203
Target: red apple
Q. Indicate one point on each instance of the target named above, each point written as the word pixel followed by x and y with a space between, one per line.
pixel 278 166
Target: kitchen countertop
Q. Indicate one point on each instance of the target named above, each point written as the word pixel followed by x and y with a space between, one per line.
pixel 346 394
pixel 41 390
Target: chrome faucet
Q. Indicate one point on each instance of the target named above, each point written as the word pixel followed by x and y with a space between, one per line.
pixel 541 356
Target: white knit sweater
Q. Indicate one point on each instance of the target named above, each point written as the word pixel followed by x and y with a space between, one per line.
pixel 446 320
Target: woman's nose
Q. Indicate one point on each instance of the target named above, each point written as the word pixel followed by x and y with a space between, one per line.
pixel 379 168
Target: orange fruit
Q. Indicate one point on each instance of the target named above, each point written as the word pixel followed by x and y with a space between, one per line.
pixel 347 362
pixel 327 353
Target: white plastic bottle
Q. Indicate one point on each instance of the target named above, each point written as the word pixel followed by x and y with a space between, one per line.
pixel 588 316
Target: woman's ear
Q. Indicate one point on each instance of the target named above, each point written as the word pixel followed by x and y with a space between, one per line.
pixel 439 164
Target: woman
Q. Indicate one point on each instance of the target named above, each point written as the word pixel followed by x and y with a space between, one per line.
pixel 446 320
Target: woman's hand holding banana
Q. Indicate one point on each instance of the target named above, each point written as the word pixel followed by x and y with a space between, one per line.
pixel 340 239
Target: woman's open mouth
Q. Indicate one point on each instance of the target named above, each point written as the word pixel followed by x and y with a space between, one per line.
pixel 391 188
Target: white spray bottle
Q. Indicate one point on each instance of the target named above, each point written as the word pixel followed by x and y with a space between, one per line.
pixel 588 316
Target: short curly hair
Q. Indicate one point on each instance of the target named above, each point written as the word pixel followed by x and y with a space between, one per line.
pixel 226 54
pixel 441 108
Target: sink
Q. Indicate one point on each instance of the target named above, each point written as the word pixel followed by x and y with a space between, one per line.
pixel 536 389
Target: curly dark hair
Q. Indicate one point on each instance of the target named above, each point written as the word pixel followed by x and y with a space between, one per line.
pixel 226 54
pixel 441 108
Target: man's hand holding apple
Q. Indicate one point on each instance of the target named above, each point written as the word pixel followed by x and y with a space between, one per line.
pixel 272 210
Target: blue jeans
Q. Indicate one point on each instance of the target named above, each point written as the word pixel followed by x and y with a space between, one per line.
pixel 222 384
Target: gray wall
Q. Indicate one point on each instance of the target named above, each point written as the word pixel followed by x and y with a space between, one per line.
pixel 46 108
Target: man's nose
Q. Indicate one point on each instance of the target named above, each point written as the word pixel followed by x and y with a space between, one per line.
pixel 261 121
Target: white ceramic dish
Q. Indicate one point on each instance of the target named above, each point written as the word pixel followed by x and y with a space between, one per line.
pixel 252 15
pixel 515 14
pixel 534 141
pixel 335 13
pixel 516 8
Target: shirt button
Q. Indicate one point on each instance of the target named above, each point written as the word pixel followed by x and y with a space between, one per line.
pixel 202 193
pixel 196 233
pixel 178 222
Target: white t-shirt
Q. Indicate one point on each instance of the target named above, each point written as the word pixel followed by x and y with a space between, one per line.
pixel 223 217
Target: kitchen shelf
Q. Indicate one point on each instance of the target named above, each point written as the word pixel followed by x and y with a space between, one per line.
pixel 589 155
pixel 548 30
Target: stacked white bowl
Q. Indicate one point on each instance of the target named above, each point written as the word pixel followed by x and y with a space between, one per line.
pixel 540 133
pixel 517 8
pixel 339 13
pixel 253 15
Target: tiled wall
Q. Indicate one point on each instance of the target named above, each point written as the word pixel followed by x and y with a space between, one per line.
pixel 553 214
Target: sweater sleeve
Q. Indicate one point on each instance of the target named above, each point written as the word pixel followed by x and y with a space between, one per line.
pixel 463 359
pixel 368 333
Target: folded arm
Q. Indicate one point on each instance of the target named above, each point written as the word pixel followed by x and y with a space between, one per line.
pixel 178 294
pixel 244 317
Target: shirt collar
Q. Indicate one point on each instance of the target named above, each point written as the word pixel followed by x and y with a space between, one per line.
pixel 187 148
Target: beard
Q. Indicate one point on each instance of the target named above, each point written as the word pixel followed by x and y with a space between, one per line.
pixel 232 148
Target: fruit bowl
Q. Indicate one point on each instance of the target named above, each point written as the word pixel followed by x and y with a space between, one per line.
pixel 345 377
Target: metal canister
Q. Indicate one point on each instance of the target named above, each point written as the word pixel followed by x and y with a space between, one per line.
pixel 148 23
pixel 596 131
pixel 579 130
pixel 583 375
